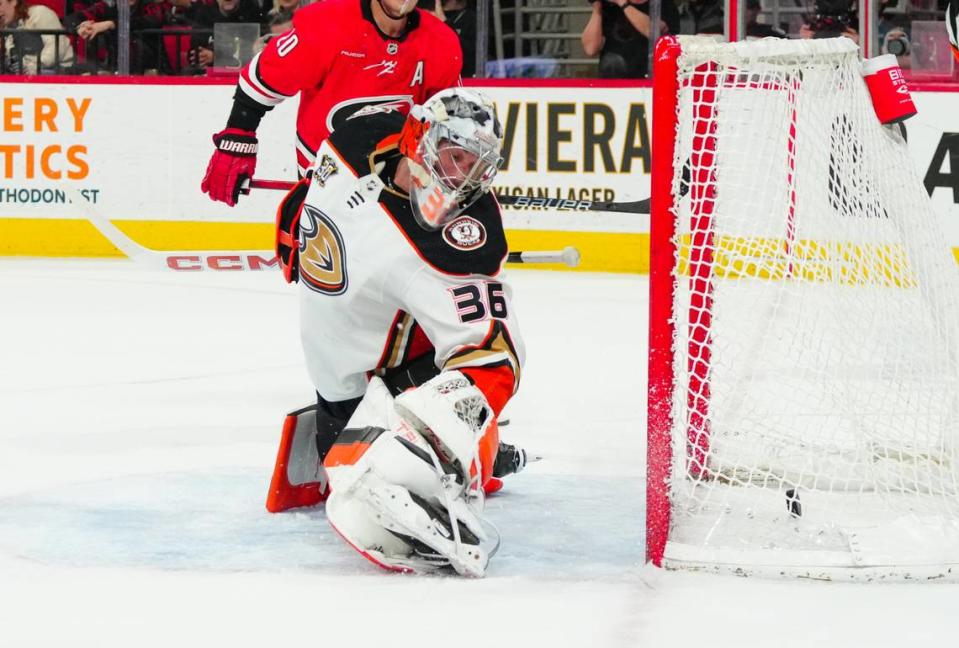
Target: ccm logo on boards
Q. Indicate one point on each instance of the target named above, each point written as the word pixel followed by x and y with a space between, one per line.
pixel 191 262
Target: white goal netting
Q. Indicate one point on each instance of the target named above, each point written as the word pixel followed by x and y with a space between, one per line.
pixel 815 409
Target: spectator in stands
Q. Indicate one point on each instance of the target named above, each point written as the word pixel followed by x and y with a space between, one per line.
pixel 619 31
pixel 102 17
pixel 285 6
pixel 756 29
pixel 434 7
pixel 461 17
pixel 31 53
pixel 701 17
pixel 277 24
pixel 832 18
pixel 894 30
pixel 206 16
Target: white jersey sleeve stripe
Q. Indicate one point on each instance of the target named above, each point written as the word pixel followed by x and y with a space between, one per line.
pixel 251 84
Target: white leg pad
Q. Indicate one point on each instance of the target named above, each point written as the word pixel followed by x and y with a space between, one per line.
pixel 352 519
pixel 396 488
pixel 395 509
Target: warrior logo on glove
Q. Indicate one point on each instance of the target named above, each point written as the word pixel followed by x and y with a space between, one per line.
pixel 232 165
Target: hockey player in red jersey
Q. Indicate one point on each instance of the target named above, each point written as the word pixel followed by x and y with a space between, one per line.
pixel 409 333
pixel 340 55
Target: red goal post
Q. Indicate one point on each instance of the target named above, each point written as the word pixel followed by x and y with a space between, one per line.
pixel 803 392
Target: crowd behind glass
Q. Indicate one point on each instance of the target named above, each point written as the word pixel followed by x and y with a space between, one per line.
pixel 523 38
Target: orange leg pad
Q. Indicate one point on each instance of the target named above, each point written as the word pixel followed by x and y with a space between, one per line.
pixel 298 476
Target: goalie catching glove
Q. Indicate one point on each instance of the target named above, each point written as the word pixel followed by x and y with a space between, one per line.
pixel 233 163
pixel 406 477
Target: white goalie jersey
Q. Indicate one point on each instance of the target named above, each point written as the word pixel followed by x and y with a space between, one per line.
pixel 377 290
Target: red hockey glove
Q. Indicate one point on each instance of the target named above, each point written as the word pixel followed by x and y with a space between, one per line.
pixel 233 162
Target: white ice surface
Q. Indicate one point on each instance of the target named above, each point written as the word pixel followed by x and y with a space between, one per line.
pixel 139 416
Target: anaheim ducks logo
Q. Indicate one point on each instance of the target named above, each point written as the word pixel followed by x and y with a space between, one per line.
pixel 465 233
pixel 322 255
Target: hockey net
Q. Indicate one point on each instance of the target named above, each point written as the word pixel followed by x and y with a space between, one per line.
pixel 803 376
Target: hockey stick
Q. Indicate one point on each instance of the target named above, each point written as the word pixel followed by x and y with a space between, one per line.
pixel 518 202
pixel 179 260
pixel 568 255
pixel 192 260
pixel 564 204
pixel 133 250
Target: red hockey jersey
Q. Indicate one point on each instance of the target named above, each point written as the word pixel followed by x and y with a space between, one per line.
pixel 340 61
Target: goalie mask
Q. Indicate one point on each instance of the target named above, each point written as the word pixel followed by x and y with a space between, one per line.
pixel 456 158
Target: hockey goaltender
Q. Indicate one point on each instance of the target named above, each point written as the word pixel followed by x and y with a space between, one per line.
pixel 410 336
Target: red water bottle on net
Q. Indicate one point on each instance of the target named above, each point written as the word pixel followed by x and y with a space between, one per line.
pixel 890 94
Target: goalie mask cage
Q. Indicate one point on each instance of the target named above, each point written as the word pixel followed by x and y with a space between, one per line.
pixel 803 375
